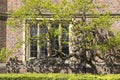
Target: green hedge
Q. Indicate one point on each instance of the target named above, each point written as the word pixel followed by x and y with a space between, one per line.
pixel 28 76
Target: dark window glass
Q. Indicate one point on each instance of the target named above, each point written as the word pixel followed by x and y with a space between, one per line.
pixel 33 41
pixel 65 39
pixel 43 46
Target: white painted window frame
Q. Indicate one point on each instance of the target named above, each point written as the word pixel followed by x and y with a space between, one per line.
pixel 26 50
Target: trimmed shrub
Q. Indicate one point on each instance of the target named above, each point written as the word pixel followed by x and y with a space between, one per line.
pixel 58 77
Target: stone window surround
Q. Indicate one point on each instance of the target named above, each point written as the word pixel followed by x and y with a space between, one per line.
pixel 26 53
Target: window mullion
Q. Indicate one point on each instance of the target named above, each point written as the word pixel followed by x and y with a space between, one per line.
pixel 60 37
pixel 48 41
pixel 70 38
pixel 29 51
pixel 38 41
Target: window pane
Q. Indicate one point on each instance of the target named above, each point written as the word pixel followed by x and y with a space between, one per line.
pixel 65 39
pixel 43 29
pixel 33 30
pixel 33 50
pixel 36 44
pixel 43 51
pixel 33 40
pixel 43 45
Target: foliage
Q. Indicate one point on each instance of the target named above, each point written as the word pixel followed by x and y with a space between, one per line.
pixel 58 77
pixel 89 35
pixel 4 54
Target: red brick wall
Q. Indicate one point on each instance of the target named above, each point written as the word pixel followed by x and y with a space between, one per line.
pixel 12 37
pixel 3 9
pixel 3 5
pixel 112 6
pixel 13 4
pixel 2 34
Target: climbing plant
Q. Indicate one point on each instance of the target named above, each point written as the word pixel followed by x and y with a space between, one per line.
pixel 92 37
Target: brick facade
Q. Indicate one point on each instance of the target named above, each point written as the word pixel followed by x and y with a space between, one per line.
pixel 9 37
pixel 3 9
pixel 13 35
pixel 3 5
pixel 2 34
pixel 112 6
pixel 13 4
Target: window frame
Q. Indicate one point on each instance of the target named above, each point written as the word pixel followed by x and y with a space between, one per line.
pixel 38 46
